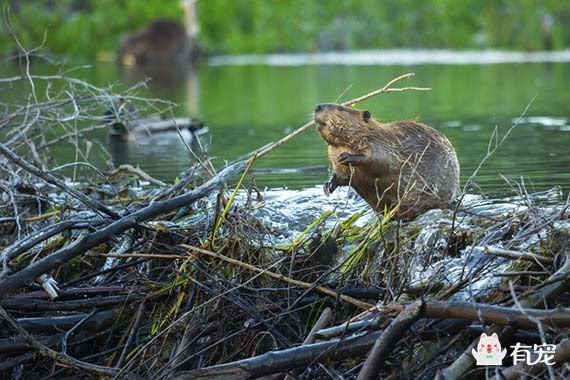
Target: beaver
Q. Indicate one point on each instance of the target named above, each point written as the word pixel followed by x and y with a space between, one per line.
pixel 405 164
pixel 163 42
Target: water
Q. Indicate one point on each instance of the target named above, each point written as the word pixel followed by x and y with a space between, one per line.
pixel 249 104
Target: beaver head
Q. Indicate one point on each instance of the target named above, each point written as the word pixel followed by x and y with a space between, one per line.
pixel 340 125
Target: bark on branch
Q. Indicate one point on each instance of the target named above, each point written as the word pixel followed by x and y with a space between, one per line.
pixel 387 341
pixel 285 360
pixel 488 314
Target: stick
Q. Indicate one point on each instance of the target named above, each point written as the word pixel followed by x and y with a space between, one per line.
pixel 55 324
pixel 138 171
pixel 131 337
pixel 277 276
pixel 56 182
pixel 334 331
pixel 349 103
pixel 55 260
pixel 487 314
pixel 387 340
pixel 528 256
pixel 322 322
pixel 63 359
pixel 285 360
pixel 35 305
pixel 33 239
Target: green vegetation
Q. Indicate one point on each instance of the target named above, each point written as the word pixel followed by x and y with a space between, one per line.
pixel 261 26
pixel 299 25
pixel 81 28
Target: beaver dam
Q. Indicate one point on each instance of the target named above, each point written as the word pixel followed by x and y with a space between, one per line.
pixel 115 274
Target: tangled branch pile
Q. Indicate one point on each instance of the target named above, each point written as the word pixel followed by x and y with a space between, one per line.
pixel 113 277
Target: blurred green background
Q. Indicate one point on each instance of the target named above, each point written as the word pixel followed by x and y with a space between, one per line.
pixel 88 27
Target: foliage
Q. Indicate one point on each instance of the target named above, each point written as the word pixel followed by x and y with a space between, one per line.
pixel 82 28
pixel 262 26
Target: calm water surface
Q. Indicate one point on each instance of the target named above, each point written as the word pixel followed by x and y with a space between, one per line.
pixel 247 106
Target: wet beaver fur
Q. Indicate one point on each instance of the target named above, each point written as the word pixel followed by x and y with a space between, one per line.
pixel 404 164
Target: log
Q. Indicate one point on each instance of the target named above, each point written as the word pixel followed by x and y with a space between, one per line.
pixel 27 275
pixel 14 345
pixel 285 360
pixel 79 293
pixel 487 314
pixel 157 126
pixel 387 340
pixel 27 304
pixel 57 356
pixel 47 325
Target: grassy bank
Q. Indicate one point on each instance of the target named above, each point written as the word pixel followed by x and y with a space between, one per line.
pixel 258 26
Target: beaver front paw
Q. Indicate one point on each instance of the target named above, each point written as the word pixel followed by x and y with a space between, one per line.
pixel 346 158
pixel 329 187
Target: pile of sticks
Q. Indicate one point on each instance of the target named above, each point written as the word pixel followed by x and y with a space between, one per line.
pixel 182 281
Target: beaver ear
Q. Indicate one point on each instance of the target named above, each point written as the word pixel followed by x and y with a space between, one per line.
pixel 366 115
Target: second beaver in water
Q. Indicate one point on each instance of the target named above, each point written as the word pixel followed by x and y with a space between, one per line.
pixel 163 42
pixel 404 164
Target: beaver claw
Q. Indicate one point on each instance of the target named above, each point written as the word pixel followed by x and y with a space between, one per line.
pixel 349 158
pixel 329 187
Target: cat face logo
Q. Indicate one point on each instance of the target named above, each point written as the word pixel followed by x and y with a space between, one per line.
pixel 489 350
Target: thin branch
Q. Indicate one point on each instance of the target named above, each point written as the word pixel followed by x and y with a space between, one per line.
pixel 62 359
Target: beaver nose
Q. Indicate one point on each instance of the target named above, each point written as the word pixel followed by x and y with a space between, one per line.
pixel 319 108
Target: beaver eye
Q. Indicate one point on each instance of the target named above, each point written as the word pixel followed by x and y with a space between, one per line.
pixel 340 108
pixel 365 115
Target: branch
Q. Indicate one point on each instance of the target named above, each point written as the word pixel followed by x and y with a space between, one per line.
pixel 487 314
pixel 268 148
pixel 322 289
pixel 56 182
pixel 138 171
pixel 510 254
pixel 387 341
pixel 63 359
pixel 55 260
pixel 285 360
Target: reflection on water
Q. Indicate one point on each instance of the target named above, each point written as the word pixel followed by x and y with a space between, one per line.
pixel 167 150
pixel 248 106
pixel 183 78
